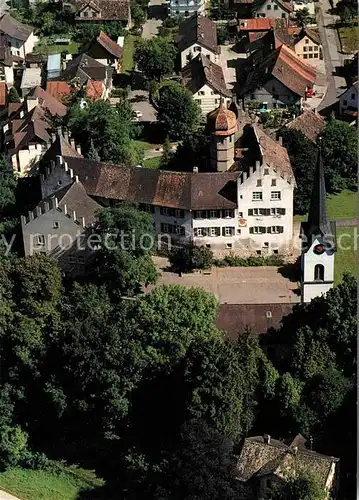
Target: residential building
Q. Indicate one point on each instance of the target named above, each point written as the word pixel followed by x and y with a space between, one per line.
pixel 186 8
pixel 245 207
pixel 264 462
pixel 21 38
pixel 53 66
pixel 205 80
pixel 3 96
pixel 34 60
pixel 60 226
pixel 243 8
pixel 348 101
pixel 7 61
pixel 307 45
pixel 79 72
pixel 197 35
pixel 318 242
pixel 105 51
pixel 27 132
pixel 101 11
pixel 31 78
pixel 282 79
pixel 309 123
pixel 275 9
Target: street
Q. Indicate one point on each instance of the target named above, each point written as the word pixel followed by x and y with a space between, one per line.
pixel 157 11
pixel 333 59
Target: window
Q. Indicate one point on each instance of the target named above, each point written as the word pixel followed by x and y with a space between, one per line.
pixel 257 196
pixel 238 231
pixel 305 56
pixel 269 7
pixel 213 214
pixel 198 214
pixel 228 214
pixel 275 252
pixel 304 49
pixel 275 229
pixel 310 56
pixel 275 7
pixel 266 171
pixel 257 230
pixel 208 245
pixel 275 195
pixel 56 225
pixel 315 48
pixel 198 101
pixel 310 48
pixel 345 102
pixel 283 16
pixel 215 231
pixel 72 259
pixel 352 97
pixel 164 228
pixel 240 214
pixel 164 211
pixel 179 213
pixel 274 182
pixel 212 93
pixel 228 231
pixel 259 183
pixel 40 239
pixel 259 252
pixel 201 92
pixel 306 40
pixel 319 272
pixel 315 56
pixel 81 259
pixel 228 246
pixel 198 231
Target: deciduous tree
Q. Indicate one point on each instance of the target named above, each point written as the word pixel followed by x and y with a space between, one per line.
pixel 156 57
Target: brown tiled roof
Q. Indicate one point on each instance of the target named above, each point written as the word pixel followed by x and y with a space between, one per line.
pixel 34 127
pixel 235 319
pixel 285 66
pixel 3 94
pixel 35 58
pixel 259 458
pixel 48 102
pixel 191 191
pixel 109 45
pixel 257 24
pixel 109 10
pixel 273 154
pixel 309 123
pixel 306 32
pixel 288 6
pixel 14 28
pixel 83 68
pixel 59 90
pixel 201 71
pixel 197 29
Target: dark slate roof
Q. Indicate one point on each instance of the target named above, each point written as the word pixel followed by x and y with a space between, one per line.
pixel 108 10
pixel 197 29
pixel 33 58
pixel 306 32
pixel 259 458
pixel 83 68
pixel 236 319
pixel 191 191
pixel 201 71
pixel 318 223
pixel 76 199
pixel 14 28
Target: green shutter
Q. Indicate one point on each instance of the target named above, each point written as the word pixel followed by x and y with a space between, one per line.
pixel 250 211
pixel 251 230
pixel 282 210
pixel 281 229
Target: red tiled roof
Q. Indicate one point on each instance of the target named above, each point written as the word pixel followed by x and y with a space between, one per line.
pixel 109 45
pixel 288 6
pixel 108 10
pixel 94 90
pixel 49 102
pixel 258 24
pixel 58 89
pixel 309 123
pixel 3 94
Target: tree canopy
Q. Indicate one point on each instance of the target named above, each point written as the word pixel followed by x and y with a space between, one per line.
pixel 156 57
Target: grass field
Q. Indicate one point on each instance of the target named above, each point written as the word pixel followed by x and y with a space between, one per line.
pixel 349 36
pixel 43 47
pixel 346 259
pixel 42 485
pixel 152 162
pixel 340 206
pixel 146 145
pixel 128 53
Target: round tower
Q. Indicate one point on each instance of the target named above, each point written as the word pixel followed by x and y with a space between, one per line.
pixel 222 125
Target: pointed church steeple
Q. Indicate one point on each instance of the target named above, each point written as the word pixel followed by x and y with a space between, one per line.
pixel 318 216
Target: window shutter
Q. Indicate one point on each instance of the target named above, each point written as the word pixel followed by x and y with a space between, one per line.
pixel 251 230
pixel 267 211
pixel 233 231
pixel 250 211
pixel 282 211
pixel 281 229
pixel 269 229
pixel 161 210
pixel 218 231
pixel 223 231
pixel 263 230
pixel 195 231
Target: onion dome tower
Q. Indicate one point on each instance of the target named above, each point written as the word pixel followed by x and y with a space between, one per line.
pixel 222 126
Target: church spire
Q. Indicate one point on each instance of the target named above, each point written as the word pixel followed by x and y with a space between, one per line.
pixel 318 215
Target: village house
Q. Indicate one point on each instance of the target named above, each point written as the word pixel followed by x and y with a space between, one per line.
pixel 205 80
pixel 275 9
pixel 243 8
pixel 31 78
pixel 348 101
pixel 3 96
pixel 309 123
pixel 105 51
pixel 307 45
pixel 197 35
pixel 27 131
pixel 264 462
pixel 186 8
pixel 21 38
pixel 101 11
pixel 282 79
pixel 244 205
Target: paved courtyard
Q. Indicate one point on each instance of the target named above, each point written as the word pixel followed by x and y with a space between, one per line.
pixel 236 285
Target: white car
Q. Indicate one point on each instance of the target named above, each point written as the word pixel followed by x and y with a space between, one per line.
pixel 138 114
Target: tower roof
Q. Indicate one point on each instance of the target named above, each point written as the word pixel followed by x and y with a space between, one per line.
pixel 222 121
pixel 318 222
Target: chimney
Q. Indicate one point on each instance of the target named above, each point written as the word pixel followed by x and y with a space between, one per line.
pixel 58 160
pixel 66 135
pixel 53 137
pixel 280 140
pixel 65 209
pixel 72 143
pixel 31 103
pixel 31 215
pixel 195 170
pixel 266 438
pixel 76 179
pixel 74 215
pixel 46 206
pixel 78 149
pixel 83 222
pixel 258 164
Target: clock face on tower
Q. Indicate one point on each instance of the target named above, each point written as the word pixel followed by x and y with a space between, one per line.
pixel 319 249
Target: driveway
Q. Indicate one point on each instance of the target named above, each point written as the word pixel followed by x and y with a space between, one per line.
pixel 139 102
pixel 236 285
pixel 157 12
pixel 333 59
pixel 230 62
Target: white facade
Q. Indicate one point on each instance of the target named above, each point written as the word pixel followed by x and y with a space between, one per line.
pixel 317 272
pixel 21 48
pixel 27 158
pixel 272 9
pixel 191 52
pixel 349 99
pixel 186 8
pixel 208 99
pixel 7 75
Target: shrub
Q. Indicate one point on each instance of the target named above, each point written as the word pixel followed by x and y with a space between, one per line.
pixel 186 259
pixel 13 446
pixel 256 261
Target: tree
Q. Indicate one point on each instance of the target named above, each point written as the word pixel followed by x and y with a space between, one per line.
pixel 93 153
pixel 178 111
pixel 166 155
pixel 186 259
pixel 222 34
pixel 13 95
pixel 13 446
pixel 192 152
pixel 339 145
pixel 301 487
pixel 303 16
pixel 156 57
pixel 110 129
pixel 126 241
pixel 8 183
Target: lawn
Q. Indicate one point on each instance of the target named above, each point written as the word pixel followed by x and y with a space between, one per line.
pixel 349 38
pixel 146 145
pixel 346 257
pixel 340 206
pixel 46 47
pixel 42 485
pixel 152 162
pixel 128 53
